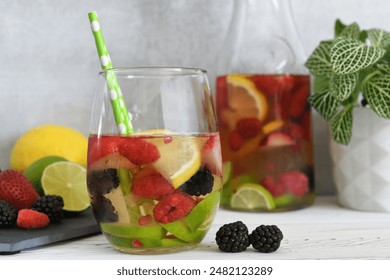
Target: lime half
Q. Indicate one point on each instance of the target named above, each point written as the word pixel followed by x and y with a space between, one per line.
pixel 35 170
pixel 252 196
pixel 68 180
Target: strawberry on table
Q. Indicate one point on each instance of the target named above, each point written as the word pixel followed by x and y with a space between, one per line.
pixel 16 189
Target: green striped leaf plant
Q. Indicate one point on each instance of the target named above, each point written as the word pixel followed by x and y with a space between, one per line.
pixel 352 67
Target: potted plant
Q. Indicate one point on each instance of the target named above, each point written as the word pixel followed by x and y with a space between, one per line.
pixel 351 90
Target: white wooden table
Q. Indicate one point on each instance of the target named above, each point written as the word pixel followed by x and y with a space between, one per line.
pixel 322 231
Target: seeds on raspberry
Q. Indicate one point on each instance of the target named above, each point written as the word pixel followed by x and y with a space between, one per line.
pixel 173 207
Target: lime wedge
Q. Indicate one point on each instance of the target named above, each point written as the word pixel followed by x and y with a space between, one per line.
pixel 35 170
pixel 126 230
pixel 68 180
pixel 252 196
pixel 227 171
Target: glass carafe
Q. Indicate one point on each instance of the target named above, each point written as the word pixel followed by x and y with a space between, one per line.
pixel 264 116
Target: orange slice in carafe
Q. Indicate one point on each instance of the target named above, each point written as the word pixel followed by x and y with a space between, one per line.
pixel 245 101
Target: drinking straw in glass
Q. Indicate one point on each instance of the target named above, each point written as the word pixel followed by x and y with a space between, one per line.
pixel 121 114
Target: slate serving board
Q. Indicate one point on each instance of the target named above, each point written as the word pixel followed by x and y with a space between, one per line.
pixel 13 240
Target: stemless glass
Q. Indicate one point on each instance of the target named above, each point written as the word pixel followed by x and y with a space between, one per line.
pixel 155 190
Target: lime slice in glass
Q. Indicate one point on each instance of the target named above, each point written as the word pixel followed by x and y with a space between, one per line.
pixel 227 171
pixel 252 196
pixel 68 180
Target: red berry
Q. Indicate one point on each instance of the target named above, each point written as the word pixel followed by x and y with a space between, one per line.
pixel 99 147
pixel 275 188
pixel 235 140
pixel 173 207
pixel 150 184
pixel 212 155
pixel 248 128
pixel 295 130
pixel 210 143
pixel 299 100
pixel 30 219
pixel 137 244
pixel 294 182
pixel 222 93
pixel 139 151
pixel 17 190
pixel 145 220
pixel 268 84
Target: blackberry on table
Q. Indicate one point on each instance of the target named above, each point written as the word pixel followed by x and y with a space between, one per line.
pixel 103 210
pixel 102 181
pixel 266 238
pixel 8 214
pixel 201 183
pixel 233 237
pixel 51 205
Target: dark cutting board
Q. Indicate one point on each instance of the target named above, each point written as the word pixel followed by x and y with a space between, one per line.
pixel 13 240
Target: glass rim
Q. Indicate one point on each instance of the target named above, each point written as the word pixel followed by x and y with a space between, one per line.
pixel 155 71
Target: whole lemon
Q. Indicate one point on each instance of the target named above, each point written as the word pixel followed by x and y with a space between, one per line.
pixel 49 140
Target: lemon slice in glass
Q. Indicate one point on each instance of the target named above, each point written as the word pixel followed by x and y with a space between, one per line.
pixel 252 196
pixel 179 158
pixel 68 180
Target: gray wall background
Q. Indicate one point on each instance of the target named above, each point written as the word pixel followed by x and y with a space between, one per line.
pixel 49 63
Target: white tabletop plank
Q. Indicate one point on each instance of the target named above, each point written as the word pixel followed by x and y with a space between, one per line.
pixel 322 231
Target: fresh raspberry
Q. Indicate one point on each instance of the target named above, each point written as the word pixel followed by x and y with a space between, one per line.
pixel 29 219
pixel 173 207
pixel 294 182
pixel 275 188
pixel 248 127
pixel 212 155
pixel 99 147
pixel 210 143
pixel 150 184
pixel 17 190
pixel 139 151
pixel 235 140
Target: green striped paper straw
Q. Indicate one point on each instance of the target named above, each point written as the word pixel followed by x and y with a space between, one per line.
pixel 121 114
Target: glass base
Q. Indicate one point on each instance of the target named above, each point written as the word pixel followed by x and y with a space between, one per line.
pixel 155 251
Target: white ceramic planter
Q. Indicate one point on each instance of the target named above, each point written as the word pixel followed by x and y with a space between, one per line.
pixel 361 170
